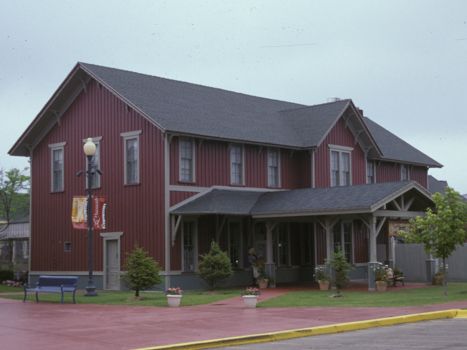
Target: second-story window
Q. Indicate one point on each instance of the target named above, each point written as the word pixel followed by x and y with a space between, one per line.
pixel 131 157
pixel 187 157
pixel 236 165
pixel 273 168
pixel 57 167
pixel 340 168
pixel 370 172
pixel 405 175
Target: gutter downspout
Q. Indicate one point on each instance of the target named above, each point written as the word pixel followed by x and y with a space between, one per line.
pixel 167 239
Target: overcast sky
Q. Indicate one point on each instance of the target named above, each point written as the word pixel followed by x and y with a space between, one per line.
pixel 403 62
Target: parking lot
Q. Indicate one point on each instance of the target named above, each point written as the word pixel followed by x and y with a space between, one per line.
pixel 430 335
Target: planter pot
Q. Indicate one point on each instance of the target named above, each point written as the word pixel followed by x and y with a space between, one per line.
pixel 174 300
pixel 263 283
pixel 381 286
pixel 323 285
pixel 250 300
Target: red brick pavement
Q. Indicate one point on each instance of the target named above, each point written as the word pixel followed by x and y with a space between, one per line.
pixel 54 326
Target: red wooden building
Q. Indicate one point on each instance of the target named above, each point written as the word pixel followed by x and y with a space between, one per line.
pixel 185 164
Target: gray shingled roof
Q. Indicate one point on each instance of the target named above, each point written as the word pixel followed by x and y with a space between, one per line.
pixel 435 185
pixel 394 148
pixel 192 109
pixel 200 110
pixel 310 201
pixel 216 201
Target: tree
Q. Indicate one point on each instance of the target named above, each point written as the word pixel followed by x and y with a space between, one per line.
pixel 215 266
pixel 341 268
pixel 443 229
pixel 142 270
pixel 13 183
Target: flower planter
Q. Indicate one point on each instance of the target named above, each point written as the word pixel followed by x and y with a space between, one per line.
pixel 263 283
pixel 323 285
pixel 250 300
pixel 381 286
pixel 174 300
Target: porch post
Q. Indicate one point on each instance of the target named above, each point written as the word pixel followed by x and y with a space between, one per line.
pixel 270 267
pixel 373 256
pixel 392 252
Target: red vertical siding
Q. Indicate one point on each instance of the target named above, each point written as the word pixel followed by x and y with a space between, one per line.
pixel 177 197
pixel 213 166
pixel 339 135
pixel 387 172
pixel 134 210
pixel 419 174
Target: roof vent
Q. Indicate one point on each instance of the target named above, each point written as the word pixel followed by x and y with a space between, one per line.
pixel 333 99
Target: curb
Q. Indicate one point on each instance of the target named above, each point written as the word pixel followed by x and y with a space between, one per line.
pixel 306 332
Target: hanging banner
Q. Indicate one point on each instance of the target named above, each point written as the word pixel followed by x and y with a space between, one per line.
pixel 79 216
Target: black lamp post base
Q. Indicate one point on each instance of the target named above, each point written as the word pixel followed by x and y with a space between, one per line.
pixel 90 291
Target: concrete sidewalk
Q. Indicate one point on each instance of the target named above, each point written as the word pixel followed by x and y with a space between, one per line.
pixel 54 326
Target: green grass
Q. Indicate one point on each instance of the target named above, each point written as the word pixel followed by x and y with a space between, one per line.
pixel 7 289
pixel 393 297
pixel 127 298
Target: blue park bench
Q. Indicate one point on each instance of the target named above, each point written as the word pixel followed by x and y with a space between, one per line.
pixel 54 284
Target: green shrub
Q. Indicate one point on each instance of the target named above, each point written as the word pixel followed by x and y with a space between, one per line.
pixel 142 271
pixel 215 266
pixel 341 268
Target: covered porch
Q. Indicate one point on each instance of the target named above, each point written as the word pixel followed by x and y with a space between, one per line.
pixel 294 231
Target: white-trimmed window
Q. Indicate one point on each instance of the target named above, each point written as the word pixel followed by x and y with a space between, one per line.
pixel 274 162
pixel 131 157
pixel 57 167
pixel 96 160
pixel 236 165
pixel 189 246
pixel 370 172
pixel 340 167
pixel 405 173
pixel 342 237
pixel 186 160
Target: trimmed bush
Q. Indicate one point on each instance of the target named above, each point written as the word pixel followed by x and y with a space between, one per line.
pixel 215 266
pixel 142 271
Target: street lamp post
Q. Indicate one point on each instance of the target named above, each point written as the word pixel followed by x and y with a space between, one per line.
pixel 90 150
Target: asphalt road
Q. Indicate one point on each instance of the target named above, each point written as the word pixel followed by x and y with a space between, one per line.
pixel 431 335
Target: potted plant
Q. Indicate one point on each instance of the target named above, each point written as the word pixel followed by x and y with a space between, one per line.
pixel 262 279
pixel 174 296
pixel 322 277
pixel 250 297
pixel 381 278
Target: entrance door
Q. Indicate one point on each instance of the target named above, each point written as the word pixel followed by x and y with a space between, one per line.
pixel 112 264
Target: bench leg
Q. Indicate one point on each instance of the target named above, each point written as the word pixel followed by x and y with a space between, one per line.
pixel 74 300
pixel 37 297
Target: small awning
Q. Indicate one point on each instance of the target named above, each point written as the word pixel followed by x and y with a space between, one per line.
pixel 305 202
pixel 16 230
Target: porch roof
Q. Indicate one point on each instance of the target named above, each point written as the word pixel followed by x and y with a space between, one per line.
pixel 300 202
pixel 220 201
